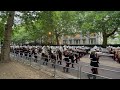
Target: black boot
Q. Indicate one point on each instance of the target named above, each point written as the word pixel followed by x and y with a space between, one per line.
pixel 64 69
pixel 72 65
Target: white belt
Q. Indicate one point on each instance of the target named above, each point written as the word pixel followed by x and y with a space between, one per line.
pixel 66 57
pixel 94 61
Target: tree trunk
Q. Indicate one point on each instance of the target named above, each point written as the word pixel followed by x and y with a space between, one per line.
pixel 104 40
pixel 5 52
pixel 105 35
pixel 57 39
pixel 41 41
pixel 35 42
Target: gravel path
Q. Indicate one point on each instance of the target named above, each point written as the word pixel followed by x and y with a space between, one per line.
pixel 15 70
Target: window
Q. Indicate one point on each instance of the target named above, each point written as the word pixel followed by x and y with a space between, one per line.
pixel 77 41
pixel 70 41
pixel 93 41
pixel 84 41
pixel 74 41
pixel 89 41
pixel 64 41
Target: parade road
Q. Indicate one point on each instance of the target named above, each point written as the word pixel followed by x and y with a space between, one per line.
pixel 107 71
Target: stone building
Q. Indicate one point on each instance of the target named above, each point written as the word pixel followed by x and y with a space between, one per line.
pixel 79 39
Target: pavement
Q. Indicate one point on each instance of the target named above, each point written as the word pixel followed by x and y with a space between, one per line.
pixel 49 70
pixel 15 70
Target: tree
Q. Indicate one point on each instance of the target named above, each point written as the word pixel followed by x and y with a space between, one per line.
pixel 3 18
pixel 32 21
pixel 64 23
pixel 38 24
pixel 20 35
pixel 106 22
pixel 5 52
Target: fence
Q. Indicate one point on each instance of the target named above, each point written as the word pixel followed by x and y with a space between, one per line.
pixel 103 73
pixel 57 70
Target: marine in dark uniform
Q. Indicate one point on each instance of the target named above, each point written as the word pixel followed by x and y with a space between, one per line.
pixel 94 62
pixel 71 57
pixel 45 56
pixel 25 52
pixel 21 52
pixel 76 57
pixel 34 52
pixel 60 57
pixel 66 54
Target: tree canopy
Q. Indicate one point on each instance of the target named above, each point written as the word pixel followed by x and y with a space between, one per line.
pixel 36 25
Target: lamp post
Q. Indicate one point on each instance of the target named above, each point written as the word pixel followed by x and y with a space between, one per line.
pixel 49 33
pixel 50 37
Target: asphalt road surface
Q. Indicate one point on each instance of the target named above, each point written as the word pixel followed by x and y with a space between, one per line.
pixel 106 73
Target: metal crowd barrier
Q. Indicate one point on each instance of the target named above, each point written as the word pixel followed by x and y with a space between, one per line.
pixel 50 64
pixel 57 70
pixel 88 75
pixel 102 72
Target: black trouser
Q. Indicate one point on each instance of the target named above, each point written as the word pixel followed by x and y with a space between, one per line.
pixel 30 56
pixel 60 62
pixel 60 57
pixel 67 65
pixel 76 60
pixel 53 61
pixel 26 55
pixel 35 60
pixel 46 60
pixel 65 69
pixel 72 62
pixel 94 70
pixel 16 53
pixel 21 54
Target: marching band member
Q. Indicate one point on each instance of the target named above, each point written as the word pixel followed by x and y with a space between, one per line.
pixel 71 57
pixel 94 62
pixel 66 54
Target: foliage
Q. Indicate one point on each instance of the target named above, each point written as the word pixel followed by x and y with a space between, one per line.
pixel 35 25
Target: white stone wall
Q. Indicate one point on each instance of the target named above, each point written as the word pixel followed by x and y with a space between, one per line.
pixel 97 37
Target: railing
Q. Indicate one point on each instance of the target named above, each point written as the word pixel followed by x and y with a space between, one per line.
pixel 102 72
pixel 56 70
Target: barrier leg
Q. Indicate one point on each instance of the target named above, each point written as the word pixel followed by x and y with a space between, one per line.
pixel 54 70
pixel 78 72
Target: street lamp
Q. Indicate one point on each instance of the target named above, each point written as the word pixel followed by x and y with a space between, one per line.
pixel 50 37
pixel 49 33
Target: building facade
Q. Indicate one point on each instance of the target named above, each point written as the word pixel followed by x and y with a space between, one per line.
pixel 79 39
